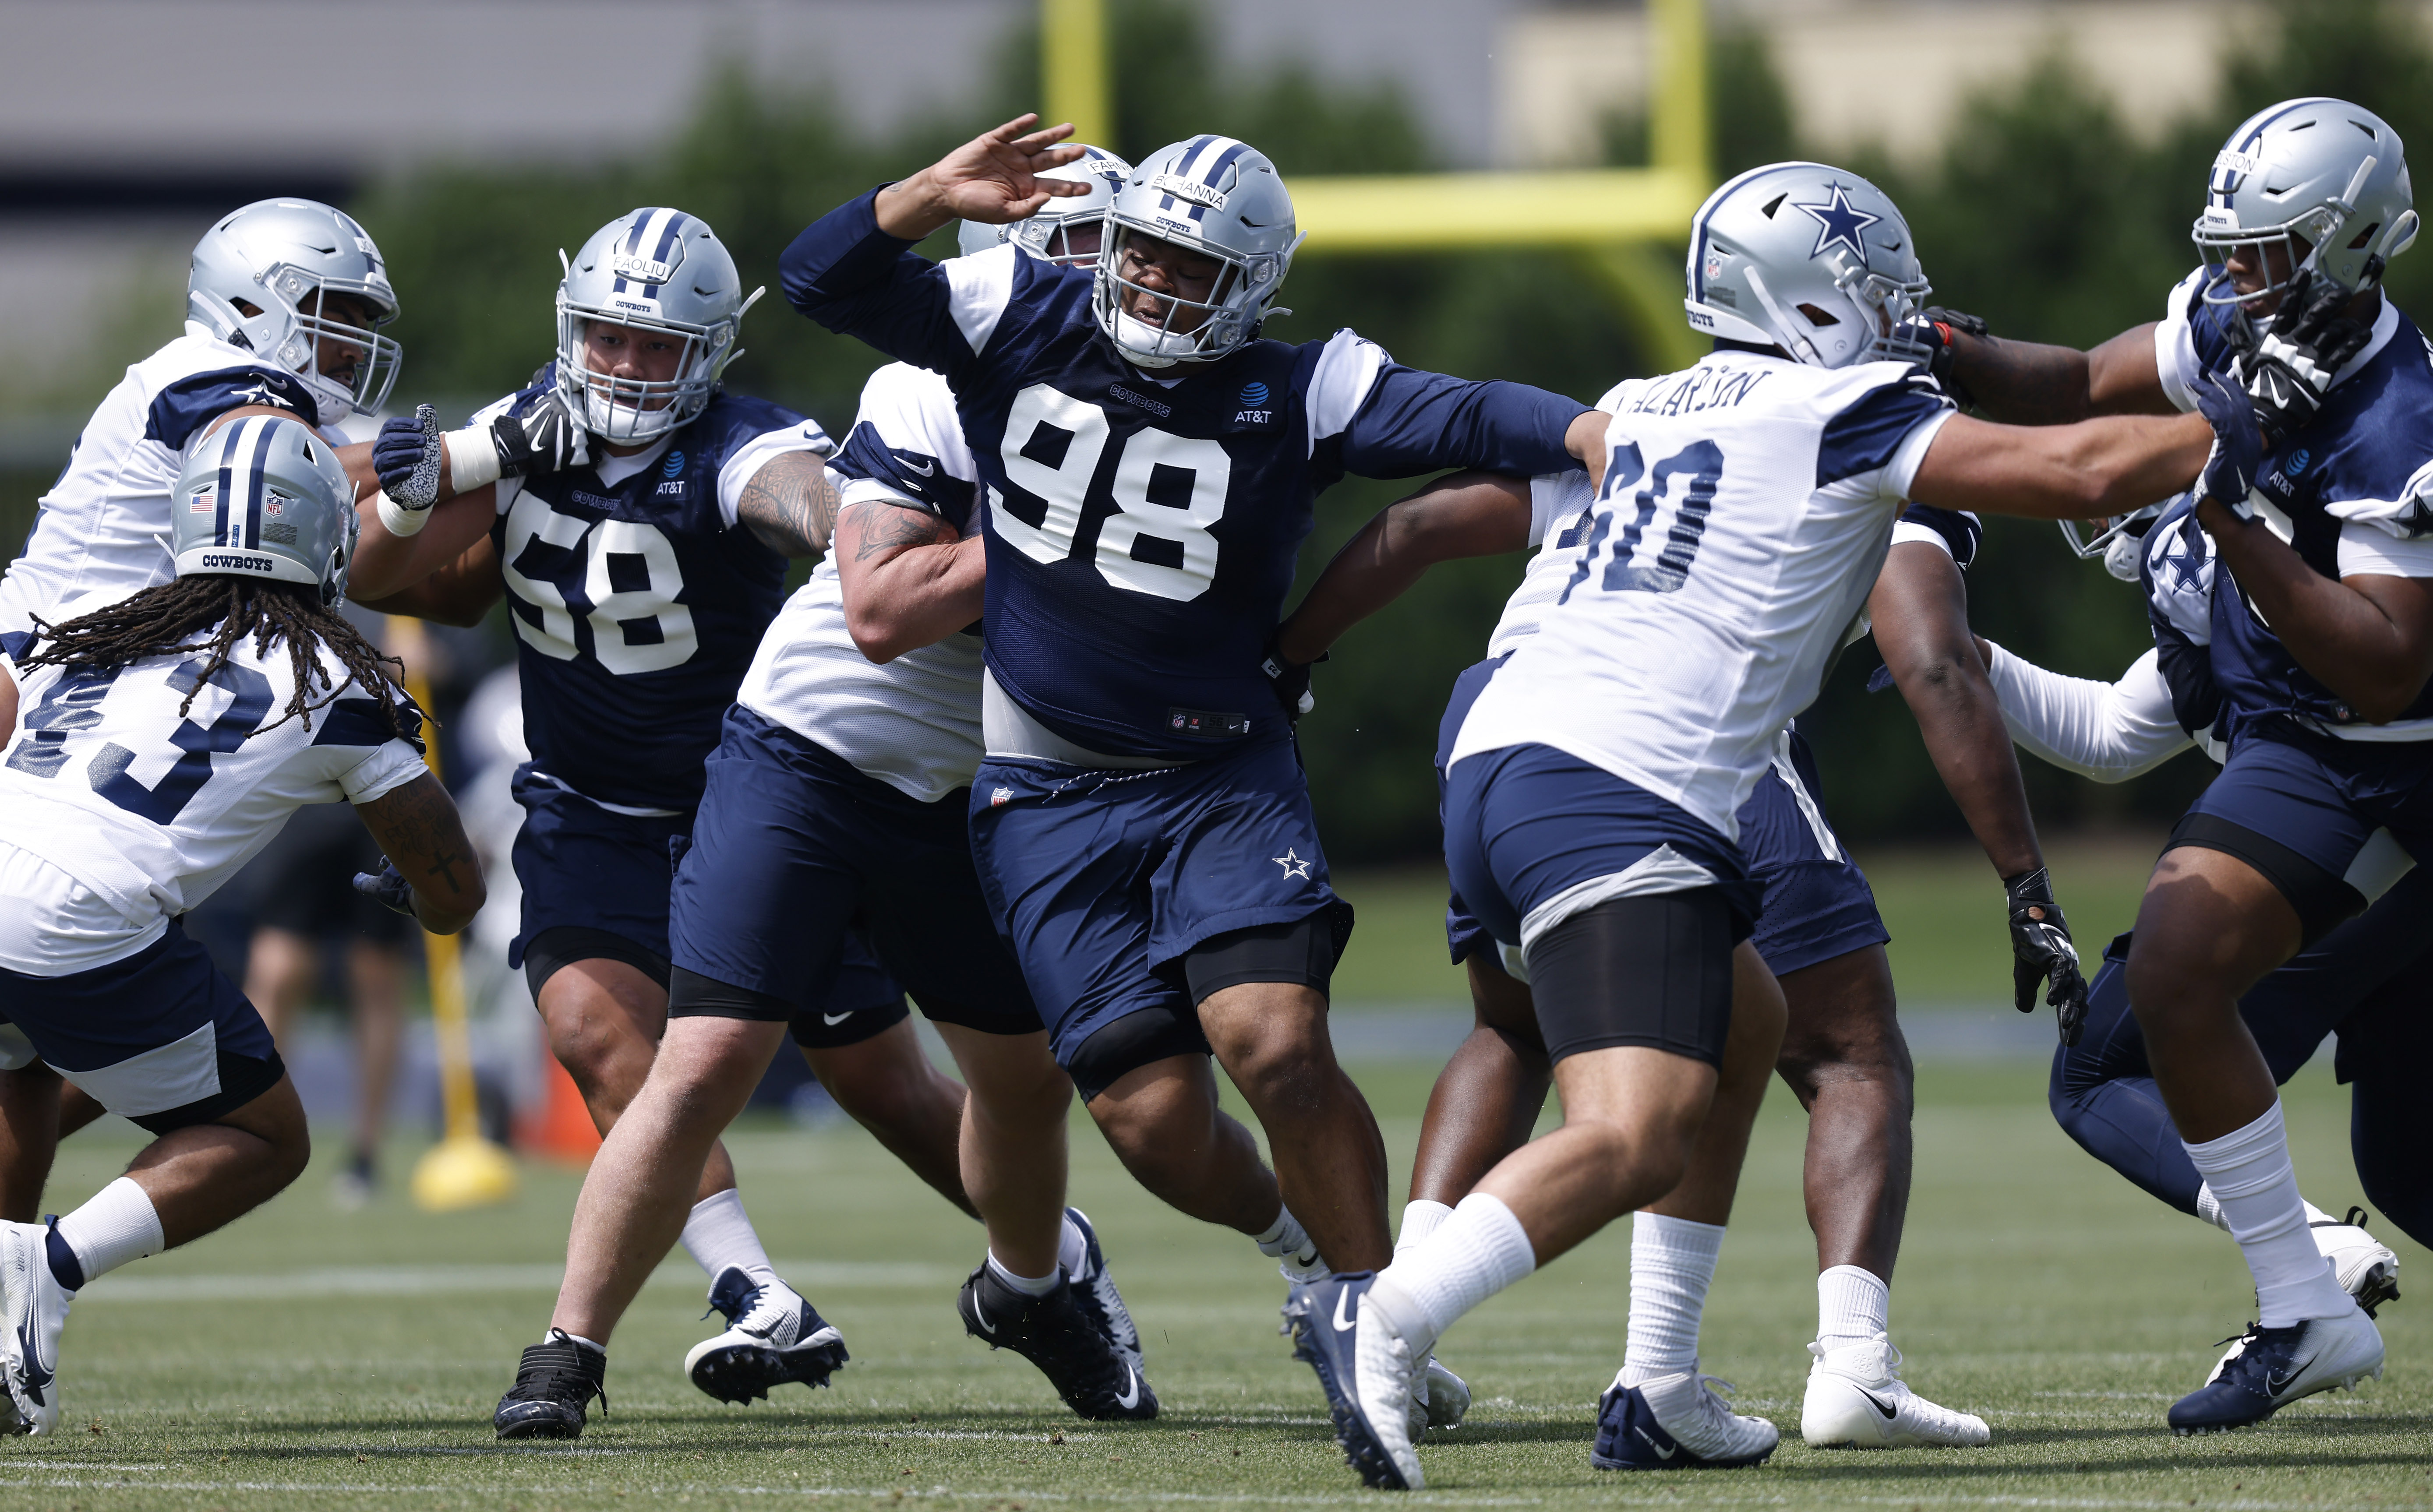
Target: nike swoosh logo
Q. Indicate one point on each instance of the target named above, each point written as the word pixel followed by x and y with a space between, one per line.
pixel 1877 1402
pixel 924 469
pixel 986 1327
pixel 2275 1383
pixel 832 1020
pixel 1659 1452
pixel 1343 1324
pixel 1129 1398
pixel 31 1373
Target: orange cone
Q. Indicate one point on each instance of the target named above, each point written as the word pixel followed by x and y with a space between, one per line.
pixel 562 1129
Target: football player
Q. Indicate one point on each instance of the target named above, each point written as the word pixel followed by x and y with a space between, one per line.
pixel 2321 659
pixel 839 792
pixel 284 305
pixel 1140 824
pixel 639 519
pixel 2359 983
pixel 1744 510
pixel 168 732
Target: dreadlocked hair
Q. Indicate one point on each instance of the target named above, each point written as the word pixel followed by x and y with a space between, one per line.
pixel 166 620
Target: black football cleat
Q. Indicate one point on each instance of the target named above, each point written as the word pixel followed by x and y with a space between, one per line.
pixel 1055 1334
pixel 555 1382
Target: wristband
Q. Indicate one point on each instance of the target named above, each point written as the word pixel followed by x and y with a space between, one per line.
pixel 400 522
pixel 472 458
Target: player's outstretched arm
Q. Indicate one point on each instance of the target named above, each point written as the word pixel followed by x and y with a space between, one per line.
pixel 910 579
pixel 992 178
pixel 1462 514
pixel 2368 638
pixel 386 563
pixel 459 594
pixel 791 504
pixel 2109 732
pixel 2026 382
pixel 2100 467
pixel 418 828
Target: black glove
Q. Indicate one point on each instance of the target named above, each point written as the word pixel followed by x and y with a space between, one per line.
pixel 1937 327
pixel 2040 942
pixel 2229 473
pixel 408 456
pixel 1289 681
pixel 2292 365
pixel 388 888
pixel 545 438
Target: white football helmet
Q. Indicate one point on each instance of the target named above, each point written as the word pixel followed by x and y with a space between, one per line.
pixel 1048 231
pixel 1811 259
pixel 654 269
pixel 2322 172
pixel 281 257
pixel 263 496
pixel 2116 538
pixel 1223 199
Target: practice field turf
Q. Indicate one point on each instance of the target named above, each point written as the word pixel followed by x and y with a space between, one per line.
pixel 309 1359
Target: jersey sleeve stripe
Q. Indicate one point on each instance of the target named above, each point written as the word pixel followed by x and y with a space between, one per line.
pixel 1864 437
pixel 1346 370
pixel 980 287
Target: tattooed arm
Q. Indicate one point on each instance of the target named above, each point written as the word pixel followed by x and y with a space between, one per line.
pixel 418 827
pixel 791 504
pixel 909 578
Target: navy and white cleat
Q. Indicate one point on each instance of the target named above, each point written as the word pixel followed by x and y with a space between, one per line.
pixel 773 1337
pixel 1676 1423
pixel 1057 1334
pixel 2364 1266
pixel 554 1380
pixel 1366 1372
pixel 33 1310
pixel 1094 1294
pixel 1445 1395
pixel 2268 1369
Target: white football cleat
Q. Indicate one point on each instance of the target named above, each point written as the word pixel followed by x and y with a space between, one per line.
pixel 2363 1265
pixel 1857 1400
pixel 1447 1396
pixel 33 1310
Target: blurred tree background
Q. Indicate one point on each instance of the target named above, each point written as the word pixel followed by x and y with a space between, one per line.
pixel 2042 212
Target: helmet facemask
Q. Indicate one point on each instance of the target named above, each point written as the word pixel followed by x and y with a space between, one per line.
pixel 1050 239
pixel 1236 306
pixel 291 333
pixel 624 410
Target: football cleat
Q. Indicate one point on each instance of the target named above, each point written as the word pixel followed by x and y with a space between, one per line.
pixel 1676 1422
pixel 554 1380
pixel 1857 1400
pixel 1366 1372
pixel 33 1309
pixel 1445 1397
pixel 773 1337
pixel 1057 1334
pixel 2268 1369
pixel 2364 1266
pixel 1094 1292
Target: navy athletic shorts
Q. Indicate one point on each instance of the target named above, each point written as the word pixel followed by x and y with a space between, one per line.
pixel 1104 880
pixel 793 848
pixel 584 867
pixel 161 1037
pixel 2301 807
pixel 1813 902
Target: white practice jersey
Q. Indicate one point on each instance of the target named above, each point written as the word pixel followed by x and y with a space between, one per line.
pixel 149 810
pixel 913 722
pixel 1742 510
pixel 104 526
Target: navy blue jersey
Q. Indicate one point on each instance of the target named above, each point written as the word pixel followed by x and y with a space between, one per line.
pixel 2178 567
pixel 1956 530
pixel 2362 470
pixel 637 604
pixel 1142 530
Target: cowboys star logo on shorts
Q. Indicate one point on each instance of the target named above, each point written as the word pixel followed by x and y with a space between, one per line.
pixel 1293 864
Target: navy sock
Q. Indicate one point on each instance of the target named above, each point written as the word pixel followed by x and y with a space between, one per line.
pixel 65 1268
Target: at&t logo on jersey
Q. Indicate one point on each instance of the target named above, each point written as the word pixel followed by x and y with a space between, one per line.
pixel 1254 410
pixel 672 472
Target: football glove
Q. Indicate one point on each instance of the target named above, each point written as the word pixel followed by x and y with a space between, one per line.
pixel 1937 327
pixel 388 888
pixel 408 455
pixel 1289 681
pixel 545 439
pixel 2229 474
pixel 2041 946
pixel 2294 359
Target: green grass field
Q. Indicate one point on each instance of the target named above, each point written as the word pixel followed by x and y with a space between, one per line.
pixel 309 1359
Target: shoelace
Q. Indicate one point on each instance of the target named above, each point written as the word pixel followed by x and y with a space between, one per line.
pixel 558 1373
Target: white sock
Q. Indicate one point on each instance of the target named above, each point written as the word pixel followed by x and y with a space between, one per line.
pixel 2249 1173
pixel 1027 1286
pixel 718 1235
pixel 115 1225
pixel 1072 1249
pixel 2209 1208
pixel 1474 1254
pixel 2315 1215
pixel 1420 1219
pixel 1286 1240
pixel 1852 1306
pixel 1671 1264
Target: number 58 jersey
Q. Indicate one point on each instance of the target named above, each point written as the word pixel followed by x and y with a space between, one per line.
pixel 1742 512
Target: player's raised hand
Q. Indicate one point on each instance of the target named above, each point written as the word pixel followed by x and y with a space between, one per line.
pixel 993 178
pixel 2043 951
pixel 2229 474
pixel 408 454
pixel 2309 340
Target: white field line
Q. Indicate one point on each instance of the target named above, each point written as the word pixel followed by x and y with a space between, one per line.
pixel 448 1281
pixel 1136 1496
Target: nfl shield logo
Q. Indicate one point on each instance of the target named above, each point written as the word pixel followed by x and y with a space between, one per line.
pixel 1715 263
pixel 273 505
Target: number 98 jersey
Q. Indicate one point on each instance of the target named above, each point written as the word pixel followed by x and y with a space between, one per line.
pixel 1743 511
pixel 637 600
